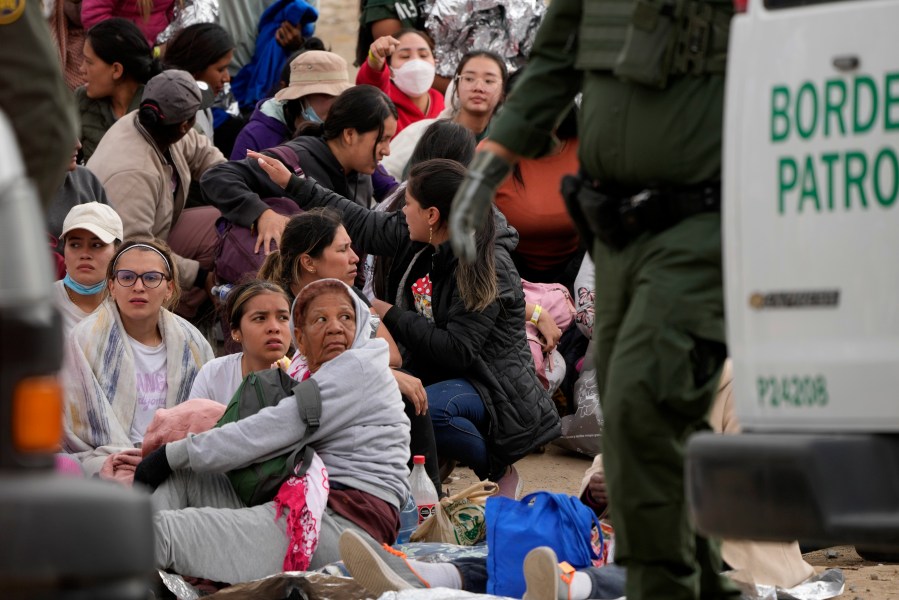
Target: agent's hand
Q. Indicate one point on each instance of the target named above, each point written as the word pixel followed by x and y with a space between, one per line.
pixel 412 388
pixel 270 226
pixel 380 49
pixel 289 36
pixel 154 469
pixel 473 201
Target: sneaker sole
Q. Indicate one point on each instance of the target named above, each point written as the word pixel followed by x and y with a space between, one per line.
pixel 538 563
pixel 366 567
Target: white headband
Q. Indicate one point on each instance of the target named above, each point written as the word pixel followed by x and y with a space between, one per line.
pixel 148 247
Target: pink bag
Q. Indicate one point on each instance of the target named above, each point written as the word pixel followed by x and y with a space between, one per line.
pixel 557 304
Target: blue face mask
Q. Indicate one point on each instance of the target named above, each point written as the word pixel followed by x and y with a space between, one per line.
pixel 83 289
pixel 309 115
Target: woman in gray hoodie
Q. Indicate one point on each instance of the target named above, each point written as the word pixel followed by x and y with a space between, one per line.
pixel 363 441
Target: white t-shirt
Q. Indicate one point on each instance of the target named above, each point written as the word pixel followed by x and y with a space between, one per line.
pixel 152 385
pixel 218 379
pixel 71 314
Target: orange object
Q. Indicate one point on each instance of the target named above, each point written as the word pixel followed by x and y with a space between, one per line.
pixel 37 415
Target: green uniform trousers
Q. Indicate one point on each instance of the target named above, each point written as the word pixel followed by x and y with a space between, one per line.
pixel 660 347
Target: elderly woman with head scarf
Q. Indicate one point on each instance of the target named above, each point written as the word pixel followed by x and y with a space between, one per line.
pixel 362 441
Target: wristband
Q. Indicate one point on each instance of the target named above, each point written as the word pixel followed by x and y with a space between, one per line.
pixel 535 316
pixel 372 57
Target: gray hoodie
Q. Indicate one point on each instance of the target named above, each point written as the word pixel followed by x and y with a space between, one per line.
pixel 364 434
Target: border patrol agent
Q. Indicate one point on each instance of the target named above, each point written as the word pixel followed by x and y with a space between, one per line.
pixel 34 96
pixel 647 201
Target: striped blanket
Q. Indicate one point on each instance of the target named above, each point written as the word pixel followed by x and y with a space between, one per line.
pixel 101 386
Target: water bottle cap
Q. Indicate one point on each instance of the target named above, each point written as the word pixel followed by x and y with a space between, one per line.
pixel 418 459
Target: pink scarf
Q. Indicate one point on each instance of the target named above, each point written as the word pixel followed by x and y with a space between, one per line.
pixel 305 497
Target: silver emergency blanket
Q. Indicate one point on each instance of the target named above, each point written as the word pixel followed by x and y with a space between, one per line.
pixel 290 584
pixel 507 27
pixel 822 586
pixel 435 594
pixel 189 12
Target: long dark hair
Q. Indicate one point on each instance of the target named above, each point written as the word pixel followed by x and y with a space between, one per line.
pixel 120 41
pixel 196 47
pixel 306 233
pixel 150 116
pixel 361 107
pixel 434 183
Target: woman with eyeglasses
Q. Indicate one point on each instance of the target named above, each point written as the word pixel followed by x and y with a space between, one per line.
pixel 478 90
pixel 129 358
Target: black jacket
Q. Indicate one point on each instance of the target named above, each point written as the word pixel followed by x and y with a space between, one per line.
pixel 237 187
pixel 489 348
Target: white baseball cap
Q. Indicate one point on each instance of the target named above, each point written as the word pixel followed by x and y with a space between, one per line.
pixel 99 219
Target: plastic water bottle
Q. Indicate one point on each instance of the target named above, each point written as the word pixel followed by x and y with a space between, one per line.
pixel 220 292
pixel 422 489
pixel 408 521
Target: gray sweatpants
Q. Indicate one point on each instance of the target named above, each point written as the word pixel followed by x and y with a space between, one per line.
pixel 203 529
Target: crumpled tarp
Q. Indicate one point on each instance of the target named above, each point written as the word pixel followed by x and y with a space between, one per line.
pixel 828 584
pixel 434 594
pixel 283 586
pixel 507 27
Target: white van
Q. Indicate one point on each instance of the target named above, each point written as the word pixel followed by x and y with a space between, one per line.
pixel 811 236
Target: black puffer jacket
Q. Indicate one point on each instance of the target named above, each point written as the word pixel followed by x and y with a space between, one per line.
pixel 237 187
pixel 489 348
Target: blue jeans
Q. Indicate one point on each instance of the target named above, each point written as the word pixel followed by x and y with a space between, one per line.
pixel 460 422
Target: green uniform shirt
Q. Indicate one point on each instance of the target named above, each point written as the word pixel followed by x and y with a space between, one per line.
pixel 630 134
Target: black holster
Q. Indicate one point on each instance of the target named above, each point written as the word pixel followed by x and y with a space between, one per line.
pixel 618 216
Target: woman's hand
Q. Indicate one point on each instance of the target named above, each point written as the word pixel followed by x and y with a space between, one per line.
pixel 120 467
pixel 549 331
pixel 289 36
pixel 273 167
pixel 270 226
pixel 411 388
pixel 380 49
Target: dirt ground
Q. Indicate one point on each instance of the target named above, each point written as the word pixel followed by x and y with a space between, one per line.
pixel 560 471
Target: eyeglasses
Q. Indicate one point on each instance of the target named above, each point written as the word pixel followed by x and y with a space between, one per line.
pixel 469 82
pixel 151 279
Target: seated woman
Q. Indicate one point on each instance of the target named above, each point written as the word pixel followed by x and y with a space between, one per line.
pixel 128 358
pixel 403 66
pixel 478 91
pixel 90 234
pixel 146 163
pixel 363 440
pixel 259 315
pixel 316 79
pixel 460 325
pixel 117 63
pixel 317 246
pixel 204 50
pixel 340 154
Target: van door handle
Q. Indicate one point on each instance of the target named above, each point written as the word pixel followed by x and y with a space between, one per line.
pixel 846 63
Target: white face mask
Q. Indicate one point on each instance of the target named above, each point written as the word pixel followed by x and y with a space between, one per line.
pixel 415 77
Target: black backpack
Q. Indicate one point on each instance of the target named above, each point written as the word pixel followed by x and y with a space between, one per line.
pixel 259 483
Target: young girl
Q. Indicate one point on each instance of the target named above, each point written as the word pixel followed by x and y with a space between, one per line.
pixel 205 51
pixel 340 154
pixel 117 63
pixel 127 359
pixel 259 315
pixel 459 324
pixel 403 66
pixel 91 233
